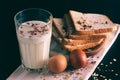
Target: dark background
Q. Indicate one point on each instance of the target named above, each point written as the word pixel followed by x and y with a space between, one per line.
pixel 9 51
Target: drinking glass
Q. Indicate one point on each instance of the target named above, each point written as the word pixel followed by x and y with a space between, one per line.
pixel 34 29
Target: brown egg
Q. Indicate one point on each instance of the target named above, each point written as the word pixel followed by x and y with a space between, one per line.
pixel 78 58
pixel 57 63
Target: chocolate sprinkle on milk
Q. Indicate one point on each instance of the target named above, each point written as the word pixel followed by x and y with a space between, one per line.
pixel 33 28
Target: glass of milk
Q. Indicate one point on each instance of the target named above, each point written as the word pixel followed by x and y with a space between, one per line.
pixel 34 29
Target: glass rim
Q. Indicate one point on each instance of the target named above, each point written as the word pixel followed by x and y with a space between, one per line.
pixel 32 9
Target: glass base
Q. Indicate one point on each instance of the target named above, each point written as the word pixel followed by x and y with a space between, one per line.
pixel 32 70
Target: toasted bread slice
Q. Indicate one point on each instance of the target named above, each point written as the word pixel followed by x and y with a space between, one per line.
pixel 90 37
pixel 79 42
pixel 89 23
pixel 83 46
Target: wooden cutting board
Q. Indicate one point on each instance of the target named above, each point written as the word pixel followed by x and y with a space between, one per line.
pixel 78 74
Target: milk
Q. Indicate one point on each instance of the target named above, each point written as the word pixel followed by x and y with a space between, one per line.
pixel 34 42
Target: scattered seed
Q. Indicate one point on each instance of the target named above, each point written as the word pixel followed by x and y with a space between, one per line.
pixel 106 65
pixel 28 23
pixel 101 64
pixel 97 56
pixel 56 76
pixel 93 62
pixel 68 75
pixel 104 76
pixel 81 78
pixel 106 22
pixel 110 62
pixel 21 32
pixel 78 72
pixel 114 59
pixel 112 70
pixel 106 70
pixel 95 78
pixel 100 75
pixel 94 74
pixel 116 74
pixel 32 25
pixel 64 77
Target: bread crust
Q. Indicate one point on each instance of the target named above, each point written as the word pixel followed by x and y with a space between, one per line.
pixel 97 31
pixel 88 37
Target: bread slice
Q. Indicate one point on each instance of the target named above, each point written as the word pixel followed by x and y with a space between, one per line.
pixel 69 24
pixel 56 35
pixel 90 23
pixel 79 42
pixel 83 46
pixel 89 37
pixel 60 26
pixel 72 32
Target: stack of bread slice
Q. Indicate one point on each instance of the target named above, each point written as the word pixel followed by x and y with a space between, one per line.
pixel 82 30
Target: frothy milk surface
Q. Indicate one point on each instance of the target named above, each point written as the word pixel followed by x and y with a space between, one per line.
pixel 33 29
pixel 34 40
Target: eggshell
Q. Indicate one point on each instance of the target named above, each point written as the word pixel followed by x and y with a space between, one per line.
pixel 78 58
pixel 57 63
